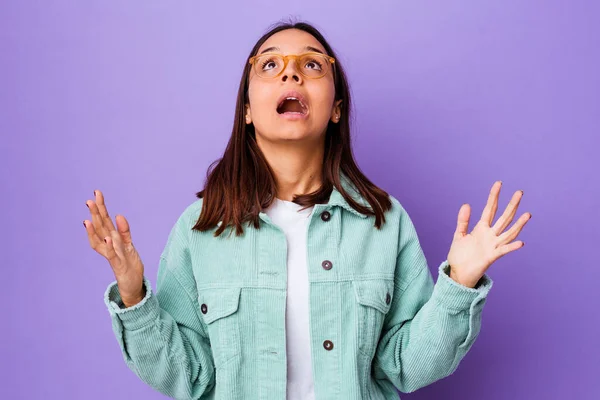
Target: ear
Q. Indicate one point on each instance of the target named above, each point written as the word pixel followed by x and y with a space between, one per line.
pixel 336 112
pixel 248 115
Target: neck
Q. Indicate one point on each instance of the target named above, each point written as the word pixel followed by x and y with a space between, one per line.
pixel 297 166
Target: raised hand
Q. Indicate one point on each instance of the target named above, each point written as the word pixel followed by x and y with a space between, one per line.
pixel 116 246
pixel 471 254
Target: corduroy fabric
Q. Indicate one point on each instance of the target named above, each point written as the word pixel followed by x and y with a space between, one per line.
pixel 377 320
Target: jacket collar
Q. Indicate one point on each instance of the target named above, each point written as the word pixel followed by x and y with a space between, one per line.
pixel 336 198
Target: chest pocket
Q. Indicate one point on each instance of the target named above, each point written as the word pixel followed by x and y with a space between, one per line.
pixel 219 308
pixel 374 299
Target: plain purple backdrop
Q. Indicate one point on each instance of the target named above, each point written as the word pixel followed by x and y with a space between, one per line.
pixel 136 99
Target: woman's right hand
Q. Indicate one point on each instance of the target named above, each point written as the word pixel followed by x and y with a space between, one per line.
pixel 116 246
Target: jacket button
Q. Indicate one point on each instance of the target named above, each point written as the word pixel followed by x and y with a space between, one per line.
pixel 327 264
pixel 325 216
pixel 203 308
pixel 388 298
pixel 328 344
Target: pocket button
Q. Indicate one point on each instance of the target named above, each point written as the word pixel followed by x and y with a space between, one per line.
pixel 203 308
pixel 388 298
pixel 328 344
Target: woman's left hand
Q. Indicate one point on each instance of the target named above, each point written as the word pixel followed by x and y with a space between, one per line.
pixel 471 254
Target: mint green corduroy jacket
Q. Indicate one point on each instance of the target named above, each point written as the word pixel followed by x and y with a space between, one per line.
pixel 215 327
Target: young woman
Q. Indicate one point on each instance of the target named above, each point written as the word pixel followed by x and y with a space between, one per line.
pixel 323 292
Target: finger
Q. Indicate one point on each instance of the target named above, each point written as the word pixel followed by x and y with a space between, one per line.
pixel 487 216
pixel 514 230
pixel 97 219
pixel 123 229
pixel 117 244
pixel 103 211
pixel 507 248
pixel 509 213
pixel 111 254
pixel 95 242
pixel 462 223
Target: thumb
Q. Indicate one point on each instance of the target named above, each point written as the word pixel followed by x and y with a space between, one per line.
pixel 462 223
pixel 123 229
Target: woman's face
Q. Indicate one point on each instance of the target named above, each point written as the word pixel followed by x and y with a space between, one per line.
pixel 290 120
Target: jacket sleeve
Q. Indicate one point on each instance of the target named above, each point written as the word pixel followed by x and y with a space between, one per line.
pixel 162 338
pixel 429 328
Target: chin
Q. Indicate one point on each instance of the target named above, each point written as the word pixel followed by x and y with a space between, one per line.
pixel 288 133
pixel 292 134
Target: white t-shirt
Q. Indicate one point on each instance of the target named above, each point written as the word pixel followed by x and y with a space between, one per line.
pixel 293 222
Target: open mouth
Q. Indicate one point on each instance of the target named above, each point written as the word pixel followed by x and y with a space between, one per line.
pixel 292 106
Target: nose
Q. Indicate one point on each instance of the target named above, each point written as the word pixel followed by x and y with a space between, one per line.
pixel 291 71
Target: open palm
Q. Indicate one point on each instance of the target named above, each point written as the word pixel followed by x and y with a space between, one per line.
pixel 471 254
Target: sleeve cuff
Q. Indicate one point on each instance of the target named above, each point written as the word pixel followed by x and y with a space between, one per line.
pixel 455 296
pixel 137 316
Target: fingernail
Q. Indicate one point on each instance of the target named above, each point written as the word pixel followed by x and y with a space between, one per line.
pixel 94 193
pixel 105 240
pixel 87 205
pixel 522 192
pixel 84 224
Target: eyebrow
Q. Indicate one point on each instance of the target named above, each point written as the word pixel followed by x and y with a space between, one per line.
pixel 308 48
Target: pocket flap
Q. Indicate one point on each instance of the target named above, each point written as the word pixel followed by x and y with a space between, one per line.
pixel 219 302
pixel 377 293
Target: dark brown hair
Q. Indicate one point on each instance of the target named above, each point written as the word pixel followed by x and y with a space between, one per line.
pixel 241 184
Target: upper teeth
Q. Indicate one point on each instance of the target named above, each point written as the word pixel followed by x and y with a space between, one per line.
pixel 294 98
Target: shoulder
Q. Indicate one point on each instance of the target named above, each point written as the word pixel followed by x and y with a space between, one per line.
pixel 403 223
pixel 396 205
pixel 187 218
pixel 192 210
pixel 397 211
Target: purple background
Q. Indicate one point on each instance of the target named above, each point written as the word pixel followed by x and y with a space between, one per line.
pixel 136 99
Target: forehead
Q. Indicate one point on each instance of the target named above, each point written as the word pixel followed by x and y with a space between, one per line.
pixel 291 41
